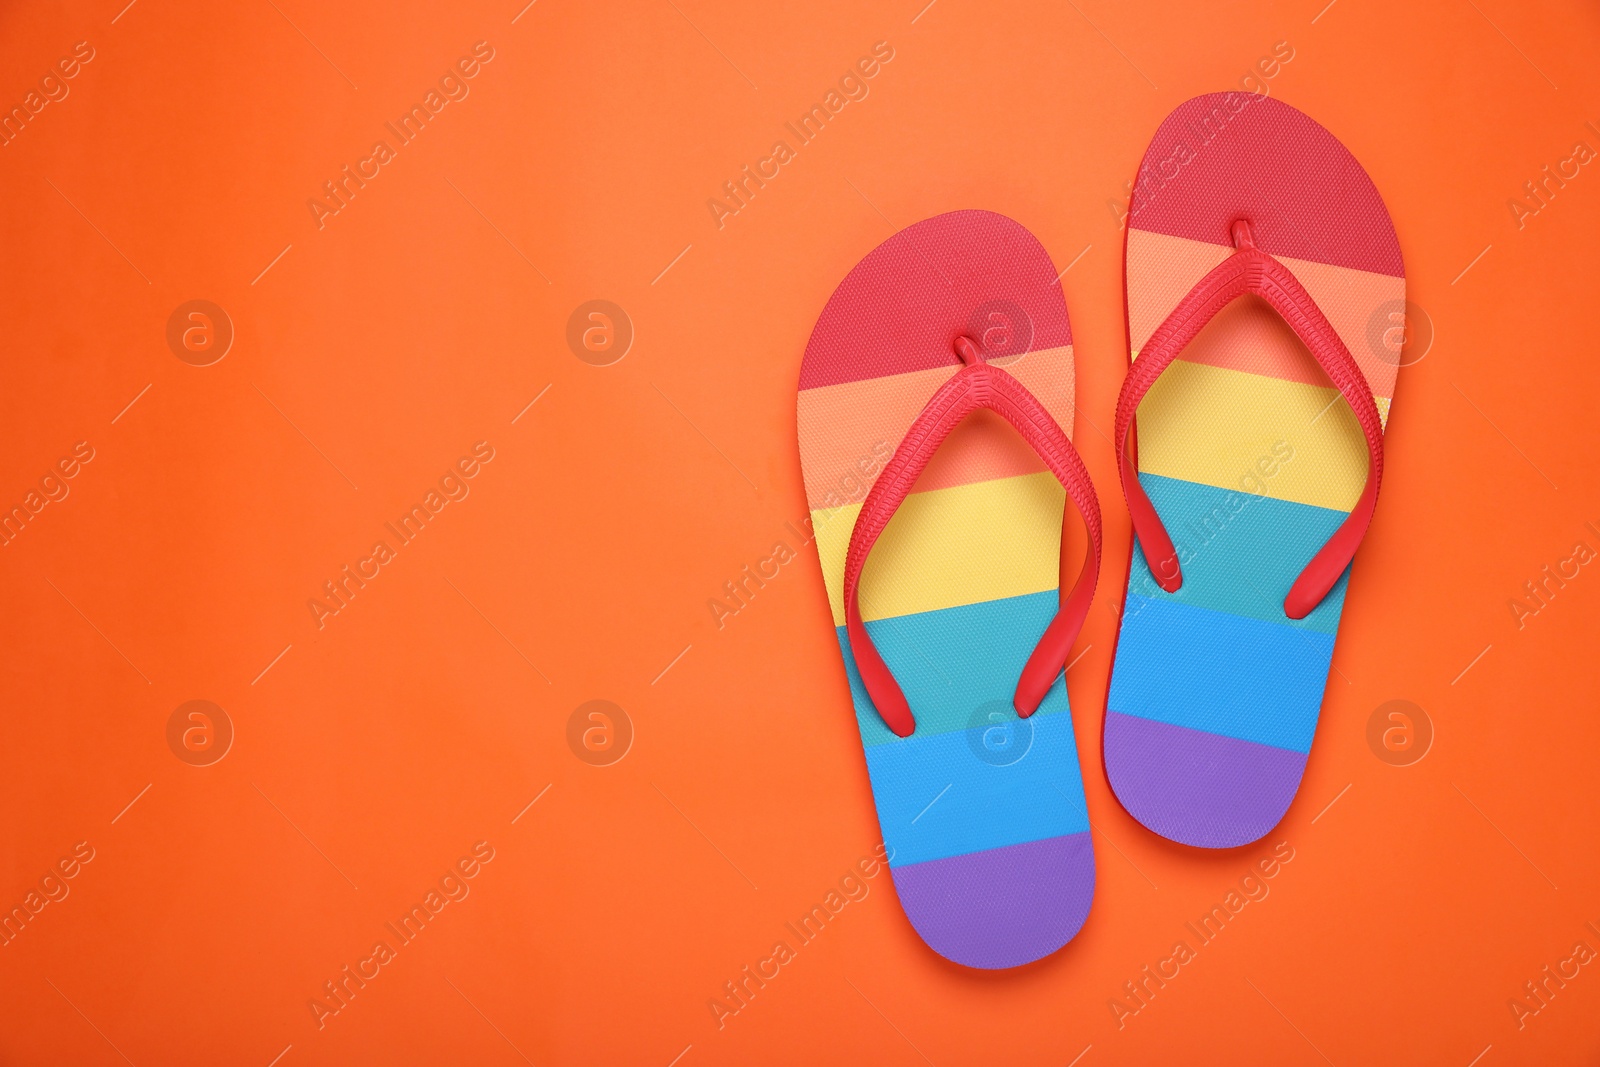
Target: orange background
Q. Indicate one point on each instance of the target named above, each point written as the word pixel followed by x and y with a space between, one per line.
pixel 427 714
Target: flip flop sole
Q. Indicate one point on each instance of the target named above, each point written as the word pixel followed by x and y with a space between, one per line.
pixel 1251 458
pixel 983 813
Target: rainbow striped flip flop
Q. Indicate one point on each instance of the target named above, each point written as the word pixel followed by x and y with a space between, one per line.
pixel 933 393
pixel 1266 297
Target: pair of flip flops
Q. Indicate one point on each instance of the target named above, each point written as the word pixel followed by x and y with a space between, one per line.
pixel 932 399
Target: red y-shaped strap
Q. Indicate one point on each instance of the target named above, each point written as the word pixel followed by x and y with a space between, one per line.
pixel 976 385
pixel 1251 270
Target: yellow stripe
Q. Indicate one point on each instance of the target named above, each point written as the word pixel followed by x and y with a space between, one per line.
pixel 1233 429
pixel 949 547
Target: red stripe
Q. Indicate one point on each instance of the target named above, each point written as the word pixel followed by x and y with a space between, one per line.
pixel 1226 156
pixel 903 306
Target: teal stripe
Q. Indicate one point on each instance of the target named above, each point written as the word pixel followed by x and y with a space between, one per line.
pixel 948 794
pixel 955 663
pixel 1240 553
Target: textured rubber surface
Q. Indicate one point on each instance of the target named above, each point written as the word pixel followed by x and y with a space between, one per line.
pixel 983 812
pixel 1251 458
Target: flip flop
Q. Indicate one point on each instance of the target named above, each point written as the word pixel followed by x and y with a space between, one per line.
pixel 1266 297
pixel 956 636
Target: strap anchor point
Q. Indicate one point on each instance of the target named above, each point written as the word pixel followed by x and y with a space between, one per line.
pixel 967 349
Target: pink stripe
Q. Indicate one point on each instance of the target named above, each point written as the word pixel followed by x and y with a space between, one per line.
pixel 848 431
pixel 1249 336
pixel 1226 156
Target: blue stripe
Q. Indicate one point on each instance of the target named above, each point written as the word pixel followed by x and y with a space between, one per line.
pixel 1239 552
pixel 948 794
pixel 952 661
pixel 1207 670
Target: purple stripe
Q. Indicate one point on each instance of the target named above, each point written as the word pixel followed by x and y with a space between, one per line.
pixel 1198 788
pixel 1001 907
